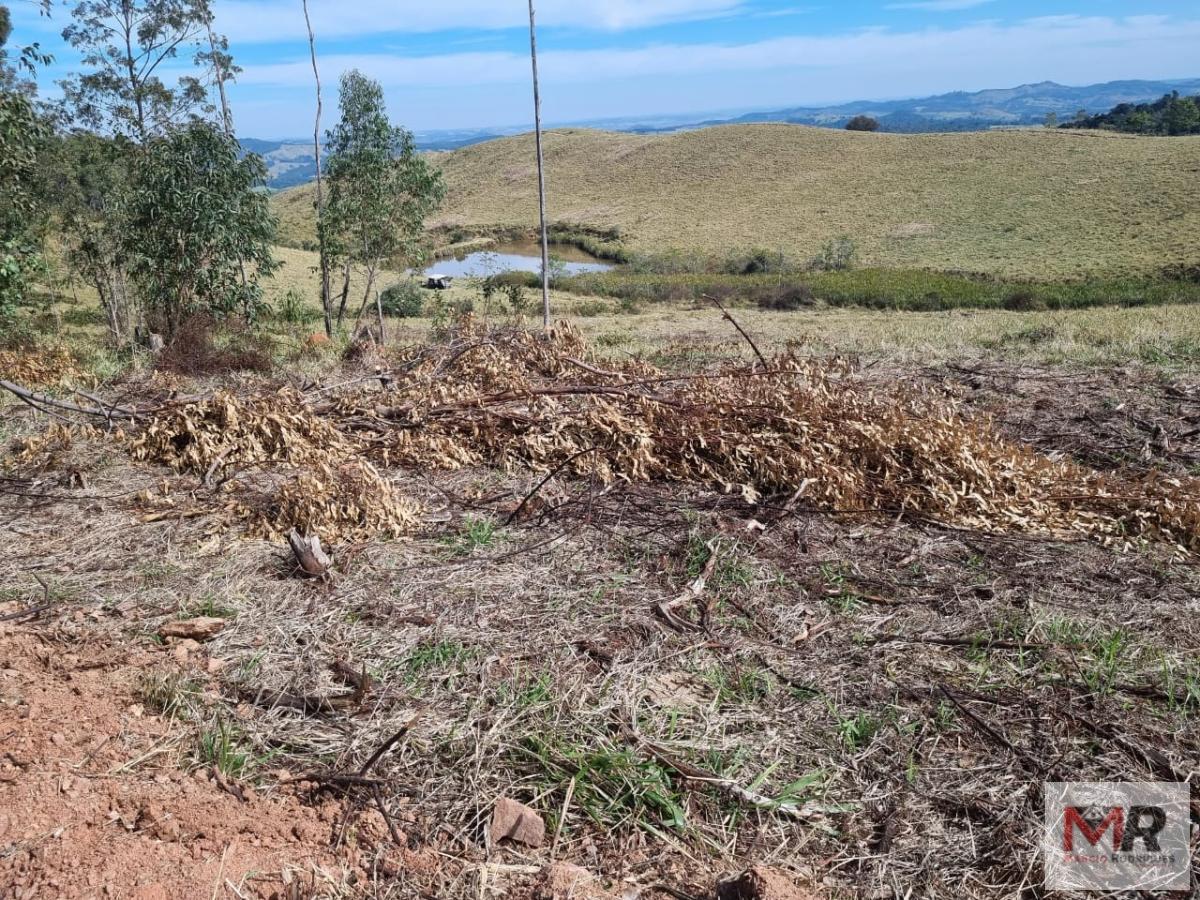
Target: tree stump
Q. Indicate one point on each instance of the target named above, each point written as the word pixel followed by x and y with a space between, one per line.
pixel 311 559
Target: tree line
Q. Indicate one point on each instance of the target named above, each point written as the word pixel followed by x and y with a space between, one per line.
pixel 1171 116
pixel 135 179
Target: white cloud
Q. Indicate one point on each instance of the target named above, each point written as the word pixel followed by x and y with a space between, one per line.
pixel 939 5
pixel 261 21
pixel 1066 48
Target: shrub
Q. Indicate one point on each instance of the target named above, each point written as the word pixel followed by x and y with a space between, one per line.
pixel 785 297
pixel 293 310
pixel 511 287
pixel 1023 301
pixel 403 300
pixel 836 256
pixel 194 349
pixel 863 123
pixel 757 262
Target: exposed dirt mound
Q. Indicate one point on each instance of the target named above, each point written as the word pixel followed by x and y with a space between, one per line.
pixel 88 810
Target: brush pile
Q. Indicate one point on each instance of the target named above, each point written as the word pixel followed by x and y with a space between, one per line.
pixel 806 430
pixel 42 367
pixel 318 481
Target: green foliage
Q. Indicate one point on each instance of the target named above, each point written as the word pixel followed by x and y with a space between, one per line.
pixel 856 732
pixel 474 534
pixel 863 123
pixel 837 255
pixel 898 289
pixel 200 230
pixel 293 310
pixel 758 262
pixel 22 132
pixel 403 300
pixel 87 183
pixel 613 785
pixel 124 46
pixel 1172 115
pixel 511 286
pixel 225 748
pixel 380 189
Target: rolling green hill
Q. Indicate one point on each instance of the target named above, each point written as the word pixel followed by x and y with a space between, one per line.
pixel 1039 203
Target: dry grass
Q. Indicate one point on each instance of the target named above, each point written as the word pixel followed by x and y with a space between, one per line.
pixel 1026 203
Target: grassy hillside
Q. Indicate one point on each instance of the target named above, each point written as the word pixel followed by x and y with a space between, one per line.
pixel 1026 203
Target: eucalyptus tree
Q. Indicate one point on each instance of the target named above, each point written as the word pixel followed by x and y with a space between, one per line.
pixel 380 189
pixel 197 213
pixel 22 135
pixel 127 47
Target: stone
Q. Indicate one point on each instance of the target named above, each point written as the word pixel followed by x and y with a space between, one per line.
pixel 518 823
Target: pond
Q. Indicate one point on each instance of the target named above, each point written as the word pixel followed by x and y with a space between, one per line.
pixel 517 256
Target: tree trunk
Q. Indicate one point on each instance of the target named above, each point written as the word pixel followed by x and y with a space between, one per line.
pixel 383 333
pixel 227 123
pixel 345 298
pixel 371 269
pixel 219 74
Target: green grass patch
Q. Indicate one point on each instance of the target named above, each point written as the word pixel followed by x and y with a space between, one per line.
pixel 225 748
pixel 893 289
pixel 474 534
pixel 614 786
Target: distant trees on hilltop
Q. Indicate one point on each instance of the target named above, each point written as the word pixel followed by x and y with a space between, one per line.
pixel 1172 115
pixel 862 123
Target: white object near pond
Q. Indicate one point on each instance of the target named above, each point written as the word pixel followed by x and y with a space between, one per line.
pixel 435 282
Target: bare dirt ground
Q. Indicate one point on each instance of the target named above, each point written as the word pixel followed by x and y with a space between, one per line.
pixel 868 704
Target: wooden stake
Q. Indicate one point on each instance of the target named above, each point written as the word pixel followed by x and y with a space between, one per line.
pixel 325 298
pixel 541 166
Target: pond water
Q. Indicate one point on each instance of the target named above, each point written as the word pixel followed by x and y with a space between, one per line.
pixel 520 256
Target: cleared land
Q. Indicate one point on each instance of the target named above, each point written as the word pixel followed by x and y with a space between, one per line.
pixel 1021 203
pixel 889 687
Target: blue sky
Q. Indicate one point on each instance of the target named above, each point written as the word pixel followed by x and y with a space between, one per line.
pixel 464 63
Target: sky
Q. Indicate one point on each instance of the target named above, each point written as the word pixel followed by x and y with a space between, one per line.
pixel 448 64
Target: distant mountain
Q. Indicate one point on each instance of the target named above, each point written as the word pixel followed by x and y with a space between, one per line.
pixel 291 162
pixel 1028 104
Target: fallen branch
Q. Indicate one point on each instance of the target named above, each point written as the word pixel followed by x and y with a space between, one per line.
pixel 690 594
pixel 38 401
pixel 725 785
pixel 512 517
pixel 742 331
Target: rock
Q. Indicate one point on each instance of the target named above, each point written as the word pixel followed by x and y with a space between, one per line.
pixel 216 666
pixel 763 883
pixel 564 881
pixel 516 822
pixel 204 628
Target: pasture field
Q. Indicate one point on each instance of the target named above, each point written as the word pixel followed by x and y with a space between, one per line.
pixel 1030 203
